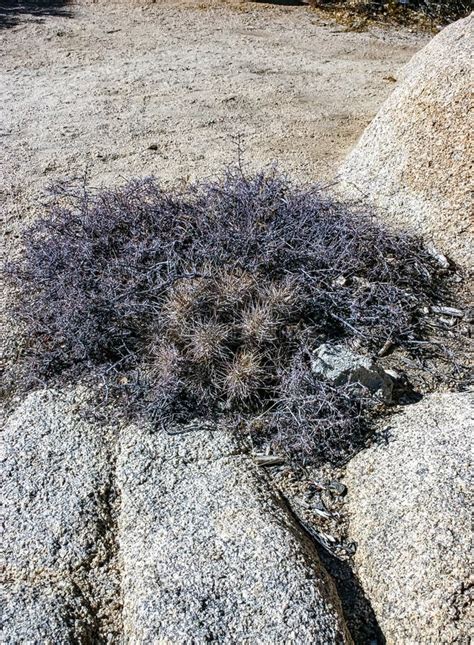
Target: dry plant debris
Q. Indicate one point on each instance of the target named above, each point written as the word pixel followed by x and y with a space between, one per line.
pixel 207 303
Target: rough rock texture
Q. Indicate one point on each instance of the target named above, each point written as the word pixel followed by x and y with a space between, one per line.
pixel 181 541
pixel 56 483
pixel 414 162
pixel 409 513
pixel 209 551
pixel 339 365
pixel 45 613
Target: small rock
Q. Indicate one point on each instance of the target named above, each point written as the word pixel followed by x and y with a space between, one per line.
pixel 396 376
pixel 340 281
pixel 448 311
pixel 350 548
pixel 439 257
pixel 269 460
pixel 338 488
pixel 339 365
pixel 317 504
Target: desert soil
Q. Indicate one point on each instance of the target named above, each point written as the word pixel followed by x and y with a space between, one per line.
pixel 168 88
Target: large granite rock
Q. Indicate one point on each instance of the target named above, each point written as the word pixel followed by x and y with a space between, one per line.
pixel 414 161
pixel 210 553
pixel 41 612
pixel 56 483
pixel 411 517
pixel 183 540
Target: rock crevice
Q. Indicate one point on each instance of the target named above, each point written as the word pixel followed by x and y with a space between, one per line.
pixel 138 536
pixel 61 579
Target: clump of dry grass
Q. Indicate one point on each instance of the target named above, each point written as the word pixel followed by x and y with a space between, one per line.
pixel 208 303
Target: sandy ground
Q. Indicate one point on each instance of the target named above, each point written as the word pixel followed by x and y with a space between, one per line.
pixel 121 90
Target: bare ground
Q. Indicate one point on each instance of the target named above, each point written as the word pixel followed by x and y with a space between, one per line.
pixel 127 89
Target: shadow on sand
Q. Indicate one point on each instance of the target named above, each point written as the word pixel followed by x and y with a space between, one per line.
pixel 13 12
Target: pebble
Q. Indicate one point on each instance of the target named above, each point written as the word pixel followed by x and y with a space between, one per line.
pixel 448 311
pixel 318 504
pixel 338 488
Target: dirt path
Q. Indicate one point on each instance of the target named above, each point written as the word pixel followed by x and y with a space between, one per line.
pixel 124 90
